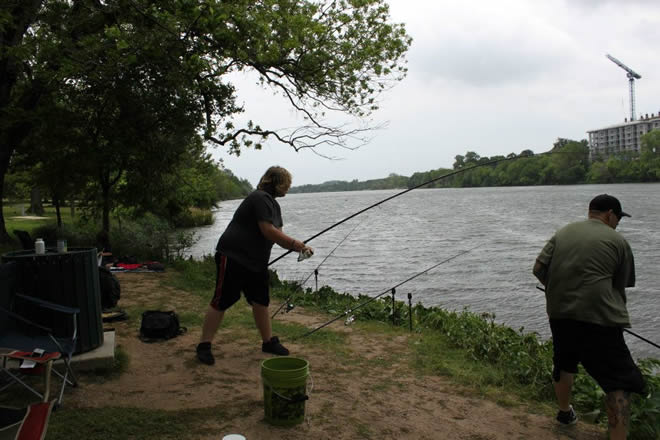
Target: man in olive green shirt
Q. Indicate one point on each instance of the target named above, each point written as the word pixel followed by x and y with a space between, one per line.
pixel 585 268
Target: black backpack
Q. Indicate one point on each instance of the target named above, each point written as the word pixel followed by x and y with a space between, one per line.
pixel 157 325
pixel 110 288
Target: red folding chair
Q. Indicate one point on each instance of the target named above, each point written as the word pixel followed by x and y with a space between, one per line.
pixel 29 423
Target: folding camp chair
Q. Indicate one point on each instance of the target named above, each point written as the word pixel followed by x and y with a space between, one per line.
pixel 24 340
pixel 29 423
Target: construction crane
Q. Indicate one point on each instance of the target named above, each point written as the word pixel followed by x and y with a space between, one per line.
pixel 632 75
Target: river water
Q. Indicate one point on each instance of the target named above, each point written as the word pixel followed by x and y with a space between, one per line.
pixel 507 225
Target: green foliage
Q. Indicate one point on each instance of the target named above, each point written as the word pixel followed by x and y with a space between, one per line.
pixel 645 418
pixel 128 97
pixel 568 165
pixel 193 217
pixel 185 193
pixel 421 177
pixel 79 235
pixel 149 237
pixel 17 185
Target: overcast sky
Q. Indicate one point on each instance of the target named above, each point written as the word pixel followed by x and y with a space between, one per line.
pixel 485 76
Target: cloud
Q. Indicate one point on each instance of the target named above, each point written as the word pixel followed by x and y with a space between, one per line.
pixel 487 45
pixel 618 3
pixel 488 63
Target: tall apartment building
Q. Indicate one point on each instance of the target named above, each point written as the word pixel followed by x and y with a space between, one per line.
pixel 615 139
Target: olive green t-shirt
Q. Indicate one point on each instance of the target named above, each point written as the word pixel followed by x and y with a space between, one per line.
pixel 589 267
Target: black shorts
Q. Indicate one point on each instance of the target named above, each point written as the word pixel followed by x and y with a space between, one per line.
pixel 601 350
pixel 232 278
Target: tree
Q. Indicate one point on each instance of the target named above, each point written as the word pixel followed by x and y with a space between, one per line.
pixel 472 158
pixel 16 17
pixel 459 161
pixel 570 162
pixel 142 77
pixel 650 156
pixel 599 173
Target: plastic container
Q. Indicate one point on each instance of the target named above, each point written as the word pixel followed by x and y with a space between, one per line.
pixel 61 246
pixel 285 387
pixel 39 246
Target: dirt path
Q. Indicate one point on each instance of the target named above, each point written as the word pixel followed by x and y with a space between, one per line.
pixel 386 400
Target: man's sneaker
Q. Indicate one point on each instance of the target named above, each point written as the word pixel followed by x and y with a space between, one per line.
pixel 273 346
pixel 567 417
pixel 204 353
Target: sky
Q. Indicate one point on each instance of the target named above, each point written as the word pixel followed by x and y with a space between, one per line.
pixel 483 76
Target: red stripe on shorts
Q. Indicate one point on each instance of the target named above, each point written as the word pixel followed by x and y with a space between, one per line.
pixel 222 268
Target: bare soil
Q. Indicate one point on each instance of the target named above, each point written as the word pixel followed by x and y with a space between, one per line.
pixel 386 400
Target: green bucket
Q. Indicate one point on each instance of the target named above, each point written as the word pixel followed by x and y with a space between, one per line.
pixel 285 390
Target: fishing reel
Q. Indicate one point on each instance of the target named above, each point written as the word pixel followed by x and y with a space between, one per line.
pixel 349 318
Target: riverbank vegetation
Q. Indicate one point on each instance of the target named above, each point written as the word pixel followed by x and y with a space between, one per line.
pixel 568 165
pixel 469 347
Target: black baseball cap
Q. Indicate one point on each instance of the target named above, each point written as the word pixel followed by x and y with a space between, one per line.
pixel 605 202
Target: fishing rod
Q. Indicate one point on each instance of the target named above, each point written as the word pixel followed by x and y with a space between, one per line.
pixel 623 328
pixel 641 337
pixel 349 311
pixel 300 286
pixel 453 173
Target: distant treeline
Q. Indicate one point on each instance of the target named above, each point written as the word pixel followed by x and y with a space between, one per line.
pixel 570 165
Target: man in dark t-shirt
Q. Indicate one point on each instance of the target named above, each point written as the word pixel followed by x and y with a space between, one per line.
pixel 585 268
pixel 241 258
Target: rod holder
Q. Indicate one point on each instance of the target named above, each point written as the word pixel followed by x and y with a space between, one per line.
pixel 316 279
pixel 410 311
pixel 393 303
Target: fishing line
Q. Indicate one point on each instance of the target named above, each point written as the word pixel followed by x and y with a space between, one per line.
pixel 453 173
pixel 301 285
pixel 623 328
pixel 349 311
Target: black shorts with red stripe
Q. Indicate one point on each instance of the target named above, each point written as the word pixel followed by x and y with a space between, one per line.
pixel 232 278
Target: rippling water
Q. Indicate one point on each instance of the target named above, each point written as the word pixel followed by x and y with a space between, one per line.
pixel 417 230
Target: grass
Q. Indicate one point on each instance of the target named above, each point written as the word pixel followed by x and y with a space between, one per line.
pixel 113 423
pixel 11 210
pixel 110 372
pixel 434 355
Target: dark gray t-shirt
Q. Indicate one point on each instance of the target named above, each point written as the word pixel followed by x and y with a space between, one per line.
pixel 243 240
pixel 589 267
